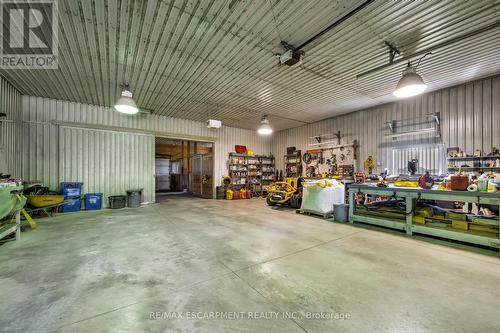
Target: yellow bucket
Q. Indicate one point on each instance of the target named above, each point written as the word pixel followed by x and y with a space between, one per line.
pixel 229 195
pixel 400 183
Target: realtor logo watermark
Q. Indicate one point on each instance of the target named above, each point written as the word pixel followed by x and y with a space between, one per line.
pixel 28 29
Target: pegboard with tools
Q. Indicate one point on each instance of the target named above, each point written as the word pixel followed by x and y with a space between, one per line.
pixel 331 160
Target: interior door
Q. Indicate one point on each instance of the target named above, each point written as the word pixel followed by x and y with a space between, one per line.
pixel 207 182
pixel 196 175
pixel 162 171
pixel 202 167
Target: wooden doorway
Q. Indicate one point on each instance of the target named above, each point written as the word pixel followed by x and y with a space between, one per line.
pixel 183 166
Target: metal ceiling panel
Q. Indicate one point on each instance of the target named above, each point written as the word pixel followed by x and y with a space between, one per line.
pixel 216 59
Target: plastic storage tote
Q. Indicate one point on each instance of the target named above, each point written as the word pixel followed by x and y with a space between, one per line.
pixel 71 190
pixel 71 205
pixel 117 201
pixel 93 201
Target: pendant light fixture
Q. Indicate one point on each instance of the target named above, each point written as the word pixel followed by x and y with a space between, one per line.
pixel 125 103
pixel 265 128
pixel 410 84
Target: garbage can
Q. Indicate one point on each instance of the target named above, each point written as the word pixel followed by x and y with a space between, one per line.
pixel 134 198
pixel 341 212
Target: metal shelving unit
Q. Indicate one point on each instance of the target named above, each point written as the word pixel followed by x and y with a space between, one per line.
pixel 268 172
pixel 292 164
pixel 248 171
pixel 475 160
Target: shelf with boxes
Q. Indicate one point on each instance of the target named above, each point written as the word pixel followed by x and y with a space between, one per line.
pixel 293 164
pixel 268 172
pixel 254 172
pixel 237 169
pixel 474 163
pixel 458 160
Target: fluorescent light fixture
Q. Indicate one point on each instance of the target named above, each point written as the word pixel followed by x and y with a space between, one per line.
pixel 265 128
pixel 125 103
pixel 410 84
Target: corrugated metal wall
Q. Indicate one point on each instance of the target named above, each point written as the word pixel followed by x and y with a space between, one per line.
pixel 10 145
pixel 107 161
pixel 470 118
pixel 470 115
pixel 66 141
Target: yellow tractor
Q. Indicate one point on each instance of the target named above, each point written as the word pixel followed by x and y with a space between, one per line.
pixel 285 193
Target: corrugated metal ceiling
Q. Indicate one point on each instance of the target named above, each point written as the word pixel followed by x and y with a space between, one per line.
pixel 215 59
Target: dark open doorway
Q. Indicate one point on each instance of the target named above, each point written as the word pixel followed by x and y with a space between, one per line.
pixel 183 167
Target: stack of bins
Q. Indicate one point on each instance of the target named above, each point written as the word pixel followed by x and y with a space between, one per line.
pixel 72 193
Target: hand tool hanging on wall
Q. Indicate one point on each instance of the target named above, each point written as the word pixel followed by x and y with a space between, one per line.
pixel 369 164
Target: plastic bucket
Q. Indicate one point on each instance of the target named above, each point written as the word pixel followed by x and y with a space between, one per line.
pixel 341 212
pixel 482 185
pixel 71 190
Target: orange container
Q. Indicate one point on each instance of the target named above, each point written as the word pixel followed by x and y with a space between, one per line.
pixel 459 183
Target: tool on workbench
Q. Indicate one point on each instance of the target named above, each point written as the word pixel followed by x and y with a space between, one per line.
pixel 412 166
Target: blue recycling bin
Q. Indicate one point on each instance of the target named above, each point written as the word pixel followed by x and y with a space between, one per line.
pixel 93 201
pixel 72 193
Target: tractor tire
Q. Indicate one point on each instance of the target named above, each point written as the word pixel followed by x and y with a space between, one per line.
pixel 269 202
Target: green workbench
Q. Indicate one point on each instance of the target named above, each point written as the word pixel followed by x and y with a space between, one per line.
pixel 410 195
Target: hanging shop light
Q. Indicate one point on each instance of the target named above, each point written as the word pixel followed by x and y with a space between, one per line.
pixel 411 84
pixel 265 128
pixel 125 103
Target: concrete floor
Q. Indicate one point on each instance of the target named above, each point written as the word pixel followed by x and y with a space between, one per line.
pixel 107 271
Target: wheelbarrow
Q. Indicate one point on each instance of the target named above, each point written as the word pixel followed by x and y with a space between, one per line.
pixel 46 203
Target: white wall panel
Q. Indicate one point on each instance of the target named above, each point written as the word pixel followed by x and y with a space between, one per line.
pixel 40 122
pixel 10 145
pixel 470 118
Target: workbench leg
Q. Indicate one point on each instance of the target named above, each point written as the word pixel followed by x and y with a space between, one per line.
pixel 18 224
pixel 409 215
pixel 352 202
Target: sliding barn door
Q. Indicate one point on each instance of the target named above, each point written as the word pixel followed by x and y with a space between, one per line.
pixel 108 162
